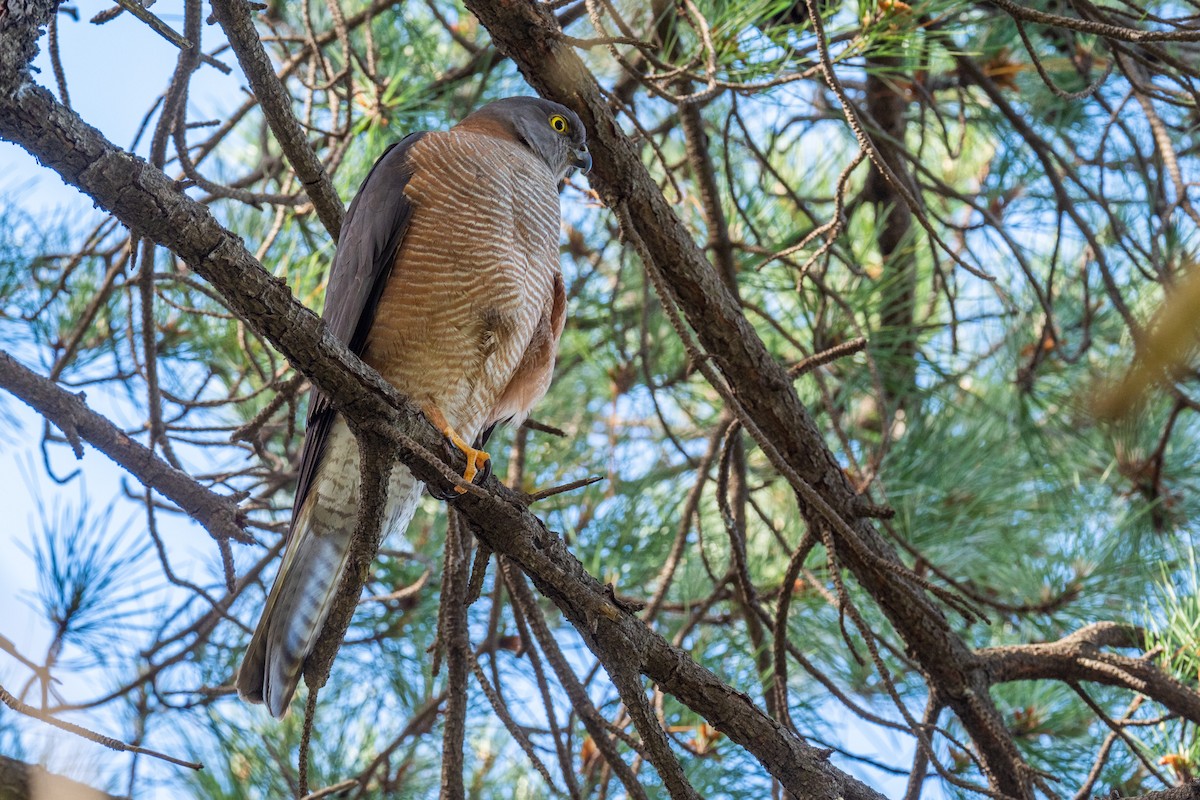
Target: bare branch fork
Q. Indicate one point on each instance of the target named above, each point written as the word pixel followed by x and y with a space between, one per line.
pixel 69 412
pixel 145 199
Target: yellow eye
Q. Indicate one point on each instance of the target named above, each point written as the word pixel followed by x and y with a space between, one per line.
pixel 559 123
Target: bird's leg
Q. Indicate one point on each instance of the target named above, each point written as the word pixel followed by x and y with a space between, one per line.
pixel 478 462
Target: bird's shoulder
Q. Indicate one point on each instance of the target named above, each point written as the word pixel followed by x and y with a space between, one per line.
pixel 478 153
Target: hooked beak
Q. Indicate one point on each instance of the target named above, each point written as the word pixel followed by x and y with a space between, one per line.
pixel 583 159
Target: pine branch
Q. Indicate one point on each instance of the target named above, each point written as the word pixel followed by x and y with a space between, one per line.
pixel 1078 657
pixel 276 104
pixel 113 744
pixel 757 386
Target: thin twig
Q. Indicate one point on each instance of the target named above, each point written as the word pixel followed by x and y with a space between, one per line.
pixel 99 738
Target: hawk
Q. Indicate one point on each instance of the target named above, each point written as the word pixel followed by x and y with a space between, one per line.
pixel 446 281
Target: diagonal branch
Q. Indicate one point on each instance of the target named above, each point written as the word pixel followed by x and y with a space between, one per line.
pixel 654 738
pixel 99 738
pixel 69 412
pixel 528 615
pixel 276 104
pixel 1104 29
pixel 758 387
pixel 1078 657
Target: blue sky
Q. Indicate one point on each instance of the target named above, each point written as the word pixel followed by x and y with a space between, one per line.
pixel 114 73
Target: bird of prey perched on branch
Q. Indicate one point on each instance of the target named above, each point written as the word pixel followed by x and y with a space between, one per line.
pixel 446 281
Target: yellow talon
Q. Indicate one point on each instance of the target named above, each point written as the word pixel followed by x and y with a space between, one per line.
pixel 477 460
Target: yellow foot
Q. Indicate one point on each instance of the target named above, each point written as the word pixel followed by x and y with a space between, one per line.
pixel 478 462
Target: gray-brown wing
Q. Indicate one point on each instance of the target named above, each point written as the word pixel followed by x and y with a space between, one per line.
pixel 374 228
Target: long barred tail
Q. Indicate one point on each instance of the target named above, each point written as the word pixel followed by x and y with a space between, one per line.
pixel 313 562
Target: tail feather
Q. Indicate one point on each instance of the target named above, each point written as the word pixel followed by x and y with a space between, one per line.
pixel 295 611
pixel 303 592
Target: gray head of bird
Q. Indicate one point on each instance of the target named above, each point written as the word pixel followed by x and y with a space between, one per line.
pixel 552 131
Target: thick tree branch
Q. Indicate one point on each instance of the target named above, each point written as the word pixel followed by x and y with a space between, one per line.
pixel 1078 657
pixel 1189 791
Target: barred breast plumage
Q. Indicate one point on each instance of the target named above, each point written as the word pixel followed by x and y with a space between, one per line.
pixel 473 279
pixel 446 281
